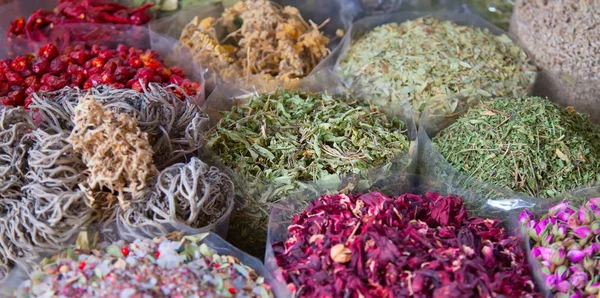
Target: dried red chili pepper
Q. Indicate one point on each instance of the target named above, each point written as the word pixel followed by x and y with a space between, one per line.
pixel 371 245
pixel 84 67
pixel 75 11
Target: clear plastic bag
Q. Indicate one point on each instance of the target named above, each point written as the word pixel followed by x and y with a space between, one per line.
pixel 393 184
pixel 261 192
pixel 449 107
pixel 174 25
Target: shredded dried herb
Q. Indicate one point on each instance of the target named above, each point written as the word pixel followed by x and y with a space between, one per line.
pixel 263 41
pixel 282 138
pixel 371 245
pixel 424 61
pixel 527 144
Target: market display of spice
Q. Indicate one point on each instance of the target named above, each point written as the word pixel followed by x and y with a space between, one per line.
pixel 85 67
pixel 566 245
pixel 527 144
pixel 371 245
pixel 263 42
pixel 146 268
pixel 363 148
pixel 284 138
pixel 424 62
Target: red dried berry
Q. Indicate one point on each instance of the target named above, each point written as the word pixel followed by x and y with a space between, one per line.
pixel 138 86
pixel 79 56
pixel 87 64
pixel 2 77
pixel 13 77
pixel 5 65
pixel 44 78
pixel 82 265
pixel 6 101
pixel 175 79
pixel 45 88
pixel 16 88
pixel 28 101
pixel 58 65
pixel 67 50
pixel 95 80
pixel 157 254
pixel 122 55
pixel 156 79
pixel 19 64
pixel 178 71
pixel 107 78
pixel 217 266
pixel 26 73
pixel 32 89
pixel 135 62
pixel 98 62
pixel 105 54
pixel 134 51
pixel 118 86
pixel 49 51
pixel 122 48
pixel 40 66
pixel 79 47
pixel 77 79
pixel 4 88
pixel 232 290
pixel 92 71
pixel 111 66
pixel 125 250
pixel 18 97
pixel 164 73
pixel 97 49
pixel 56 82
pixel 153 63
pixel 145 73
pixel 31 80
pixel 87 85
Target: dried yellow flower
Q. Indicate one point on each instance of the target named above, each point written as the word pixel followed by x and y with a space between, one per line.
pixel 116 152
pixel 272 43
pixel 340 253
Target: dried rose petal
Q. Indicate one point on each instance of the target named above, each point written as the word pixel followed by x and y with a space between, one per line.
pixel 371 245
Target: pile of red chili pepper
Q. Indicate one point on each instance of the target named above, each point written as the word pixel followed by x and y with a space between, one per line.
pixel 371 245
pixel 75 11
pixel 86 67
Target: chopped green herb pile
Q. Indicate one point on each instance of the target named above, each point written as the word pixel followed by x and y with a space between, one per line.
pixel 423 61
pixel 282 138
pixel 527 144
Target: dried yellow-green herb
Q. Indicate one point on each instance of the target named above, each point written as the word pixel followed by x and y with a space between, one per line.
pixel 262 42
pixel 424 61
pixel 273 142
pixel 527 144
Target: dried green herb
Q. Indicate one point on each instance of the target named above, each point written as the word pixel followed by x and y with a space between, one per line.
pixel 527 144
pixel 497 12
pixel 274 141
pixel 427 62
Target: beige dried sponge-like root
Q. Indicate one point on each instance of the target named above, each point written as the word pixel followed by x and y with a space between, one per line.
pixel 116 152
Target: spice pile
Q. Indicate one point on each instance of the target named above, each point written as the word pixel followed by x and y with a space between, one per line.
pixel 37 26
pixel 527 144
pixel 568 54
pixel 59 173
pixel 86 67
pixel 283 138
pixel 180 267
pixel 272 42
pixel 370 245
pixel 566 244
pixel 424 62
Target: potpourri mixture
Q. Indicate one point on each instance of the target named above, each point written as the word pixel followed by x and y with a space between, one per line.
pixel 284 138
pixel 263 42
pixel 163 267
pixel 371 245
pixel 425 62
pixel 527 144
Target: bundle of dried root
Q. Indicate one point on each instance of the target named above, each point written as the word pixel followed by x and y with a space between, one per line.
pixel 116 152
pixel 272 42
pixel 60 150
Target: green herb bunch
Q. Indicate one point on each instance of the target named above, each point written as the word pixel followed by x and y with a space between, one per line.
pixel 528 144
pixel 428 62
pixel 273 142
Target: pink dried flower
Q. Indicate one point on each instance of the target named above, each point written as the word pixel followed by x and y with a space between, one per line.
pixel 400 247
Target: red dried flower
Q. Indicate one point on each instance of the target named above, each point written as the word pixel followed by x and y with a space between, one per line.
pixel 371 245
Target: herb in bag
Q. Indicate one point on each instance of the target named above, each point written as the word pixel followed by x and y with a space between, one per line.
pixel 274 141
pixel 527 144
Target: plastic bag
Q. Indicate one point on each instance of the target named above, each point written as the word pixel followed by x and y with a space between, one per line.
pixel 390 184
pixel 451 106
pixel 173 27
pixel 25 8
pixel 214 241
pixel 259 193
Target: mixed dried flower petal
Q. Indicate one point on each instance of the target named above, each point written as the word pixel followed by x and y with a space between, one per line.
pixel 370 245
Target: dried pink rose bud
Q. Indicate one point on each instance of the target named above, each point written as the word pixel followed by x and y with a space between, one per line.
pixel 406 246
